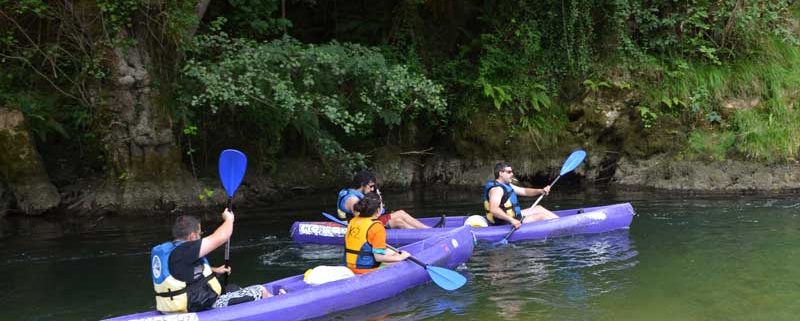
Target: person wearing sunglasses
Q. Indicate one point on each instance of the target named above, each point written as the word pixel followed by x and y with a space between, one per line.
pixel 362 184
pixel 501 203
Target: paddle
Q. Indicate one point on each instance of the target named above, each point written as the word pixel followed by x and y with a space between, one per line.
pixel 574 159
pixel 232 165
pixel 445 278
pixel 334 219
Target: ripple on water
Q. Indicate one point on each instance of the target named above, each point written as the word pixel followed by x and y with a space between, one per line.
pixel 293 255
pixel 560 273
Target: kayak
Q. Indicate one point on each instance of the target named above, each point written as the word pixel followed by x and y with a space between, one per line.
pixel 585 220
pixel 303 301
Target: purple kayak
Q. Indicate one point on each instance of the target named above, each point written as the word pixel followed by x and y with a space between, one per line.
pixel 585 220
pixel 303 301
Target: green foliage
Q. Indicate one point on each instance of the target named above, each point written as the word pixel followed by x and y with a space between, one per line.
pixel 711 145
pixel 711 31
pixel 498 94
pixel 512 74
pixel 40 113
pixel 118 14
pixel 647 115
pixel 595 86
pixel 773 136
pixel 321 92
pixel 256 18
pixel 207 193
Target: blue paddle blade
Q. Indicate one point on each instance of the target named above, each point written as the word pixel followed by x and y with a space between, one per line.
pixel 445 278
pixel 232 165
pixel 573 161
pixel 502 242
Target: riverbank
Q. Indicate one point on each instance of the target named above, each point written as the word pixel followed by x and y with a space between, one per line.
pixel 600 170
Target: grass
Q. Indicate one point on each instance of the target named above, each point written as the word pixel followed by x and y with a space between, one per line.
pixel 696 92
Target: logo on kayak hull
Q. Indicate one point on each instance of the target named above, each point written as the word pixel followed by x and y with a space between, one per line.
pixel 321 230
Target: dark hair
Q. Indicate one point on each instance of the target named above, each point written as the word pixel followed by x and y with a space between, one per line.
pixel 362 178
pixel 368 205
pixel 499 167
pixel 185 225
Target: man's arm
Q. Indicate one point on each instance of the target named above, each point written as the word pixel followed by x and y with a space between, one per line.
pixel 221 235
pixel 530 192
pixel 377 236
pixel 495 195
pixel 349 203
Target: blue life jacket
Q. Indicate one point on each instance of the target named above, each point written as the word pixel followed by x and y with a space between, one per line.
pixel 172 295
pixel 508 203
pixel 345 195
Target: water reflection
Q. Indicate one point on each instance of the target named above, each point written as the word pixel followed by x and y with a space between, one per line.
pixel 559 276
pixel 419 303
pixel 686 258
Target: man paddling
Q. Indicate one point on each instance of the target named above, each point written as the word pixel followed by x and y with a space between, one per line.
pixel 364 183
pixel 501 204
pixel 182 277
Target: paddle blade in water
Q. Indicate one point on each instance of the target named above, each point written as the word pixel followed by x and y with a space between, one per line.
pixel 573 161
pixel 445 278
pixel 502 242
pixel 232 165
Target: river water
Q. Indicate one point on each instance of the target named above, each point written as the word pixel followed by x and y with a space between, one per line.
pixel 684 258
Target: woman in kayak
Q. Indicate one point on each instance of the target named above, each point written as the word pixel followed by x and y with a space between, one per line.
pixel 365 239
pixel 363 183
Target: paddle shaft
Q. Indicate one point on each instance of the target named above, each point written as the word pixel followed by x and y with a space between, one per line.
pixel 513 229
pixel 228 247
pixel 542 196
pixel 412 258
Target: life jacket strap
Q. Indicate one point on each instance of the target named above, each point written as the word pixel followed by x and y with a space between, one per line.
pixel 352 251
pixel 169 294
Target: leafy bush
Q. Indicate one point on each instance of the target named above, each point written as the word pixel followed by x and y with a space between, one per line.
pixel 322 92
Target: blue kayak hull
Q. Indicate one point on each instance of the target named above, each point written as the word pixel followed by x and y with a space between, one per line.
pixel 585 220
pixel 303 301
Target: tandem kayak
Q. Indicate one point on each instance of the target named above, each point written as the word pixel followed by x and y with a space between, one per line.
pixel 303 301
pixel 585 220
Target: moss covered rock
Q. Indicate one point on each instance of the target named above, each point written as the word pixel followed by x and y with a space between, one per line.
pixel 21 166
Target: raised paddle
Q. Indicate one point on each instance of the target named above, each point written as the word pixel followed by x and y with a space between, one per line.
pixel 232 165
pixel 445 278
pixel 574 159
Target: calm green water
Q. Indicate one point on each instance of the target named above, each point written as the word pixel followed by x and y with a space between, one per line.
pixel 684 258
